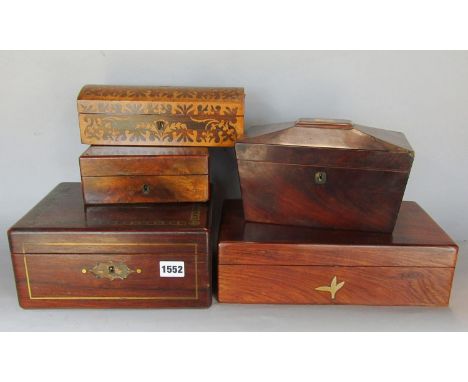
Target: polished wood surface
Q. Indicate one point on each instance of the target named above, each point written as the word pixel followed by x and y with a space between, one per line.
pixel 266 263
pixel 54 280
pixel 365 170
pixel 160 116
pixel 112 175
pixel 125 151
pixel 96 93
pixel 63 209
pixel 145 189
pixel 324 157
pixel 350 199
pixel 257 284
pixel 61 237
pixel 331 134
pixel 123 160
pixel 337 255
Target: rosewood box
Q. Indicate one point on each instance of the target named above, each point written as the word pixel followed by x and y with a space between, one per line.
pixel 128 256
pixel 119 174
pixel 324 173
pixel 160 115
pixel 274 264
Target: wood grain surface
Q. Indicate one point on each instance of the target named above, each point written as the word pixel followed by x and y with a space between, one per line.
pixel 414 227
pixel 145 189
pixel 115 161
pixel 113 175
pixel 59 238
pixel 262 284
pixel 337 255
pixel 160 116
pixel 363 174
pixel 351 199
pixel 51 279
pixel 265 263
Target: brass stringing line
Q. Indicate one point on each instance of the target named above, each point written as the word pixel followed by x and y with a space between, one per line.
pixel 196 276
pixel 27 276
pixel 195 245
pixel 113 244
pixel 114 297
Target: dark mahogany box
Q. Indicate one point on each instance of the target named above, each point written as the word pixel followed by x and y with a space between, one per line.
pixel 127 256
pixel 120 174
pixel 274 264
pixel 324 173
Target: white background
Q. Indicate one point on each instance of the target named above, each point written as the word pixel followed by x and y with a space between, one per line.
pixel 423 94
pixel 335 24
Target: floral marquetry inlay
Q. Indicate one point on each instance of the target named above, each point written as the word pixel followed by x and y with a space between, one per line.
pixel 122 115
pixel 170 93
pixel 146 129
pixel 160 108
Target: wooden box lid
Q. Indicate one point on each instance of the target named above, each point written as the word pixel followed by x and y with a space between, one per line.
pixel 424 242
pixel 160 100
pixel 62 216
pixel 326 142
pixel 143 160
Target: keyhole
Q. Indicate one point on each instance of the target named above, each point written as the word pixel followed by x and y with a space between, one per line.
pixel 146 189
pixel 160 125
pixel 320 177
pixel 111 269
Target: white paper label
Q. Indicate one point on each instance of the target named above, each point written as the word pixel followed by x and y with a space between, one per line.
pixel 171 269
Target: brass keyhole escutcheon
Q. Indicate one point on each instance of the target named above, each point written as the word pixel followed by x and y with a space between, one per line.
pixel 110 270
pixel 146 189
pixel 160 125
pixel 320 177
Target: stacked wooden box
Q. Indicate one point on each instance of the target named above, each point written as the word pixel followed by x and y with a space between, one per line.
pixel 322 221
pixel 136 233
